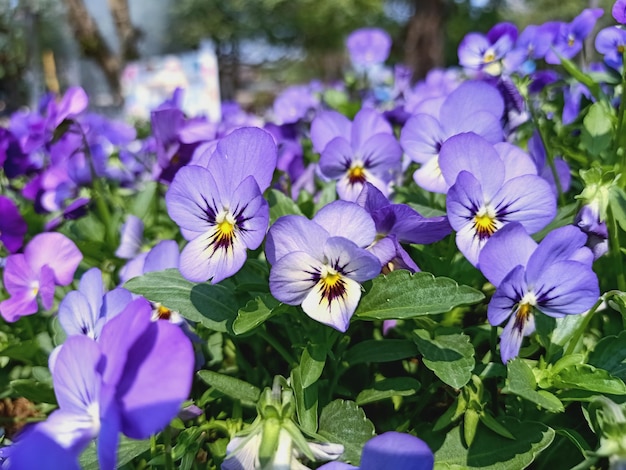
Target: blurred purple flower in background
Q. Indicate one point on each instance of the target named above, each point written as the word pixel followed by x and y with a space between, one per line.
pixel 368 46
pixel 569 40
pixel 12 225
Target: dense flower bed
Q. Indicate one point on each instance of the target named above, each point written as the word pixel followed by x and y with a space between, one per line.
pixel 373 274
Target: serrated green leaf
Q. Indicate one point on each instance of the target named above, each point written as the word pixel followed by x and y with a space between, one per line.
pixel 306 401
pixel 449 356
pixel 387 388
pixel 384 350
pixel 587 377
pixel 402 295
pixel 127 450
pixel 255 313
pixel 312 364
pixel 520 381
pixel 610 354
pixel 344 422
pixel 490 451
pixel 231 386
pixel 281 205
pixel 212 305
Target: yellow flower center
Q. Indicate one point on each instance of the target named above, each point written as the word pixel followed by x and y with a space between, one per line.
pixel 485 224
pixel 224 231
pixel 332 284
pixel 489 56
pixel 356 174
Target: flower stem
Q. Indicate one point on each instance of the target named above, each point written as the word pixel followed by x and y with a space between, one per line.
pixel 615 251
pixel 582 327
pixel 285 354
pixel 167 439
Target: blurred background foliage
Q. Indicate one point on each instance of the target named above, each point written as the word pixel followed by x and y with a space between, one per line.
pixel 285 41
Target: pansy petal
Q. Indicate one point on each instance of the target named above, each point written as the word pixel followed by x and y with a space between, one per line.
pixel 18 305
pixel 349 220
pixel 251 212
pixel 46 287
pixel 382 155
pixel 509 247
pixel 351 260
pixel 76 315
pixel 337 311
pixel 294 233
pixel 336 158
pixel 18 275
pixel 429 177
pixel 421 137
pixel 326 126
pixel 469 98
pixel 58 252
pixel 512 337
pixel 293 276
pixel 164 255
pixel 57 457
pixel 131 238
pixel 396 451
pixel 516 161
pixel 368 122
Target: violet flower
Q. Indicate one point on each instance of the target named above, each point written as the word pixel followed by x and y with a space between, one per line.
pixel 492 53
pixel 569 40
pixel 611 42
pixel 49 260
pixel 320 263
pixel 391 451
pixel 356 152
pixel 472 107
pixel 589 221
pixel 12 225
pixel 131 238
pixel 368 47
pixel 399 223
pixel 133 380
pixel 220 209
pixel 293 104
pixel 554 277
pixel 482 200
pixel 619 11
pixel 86 310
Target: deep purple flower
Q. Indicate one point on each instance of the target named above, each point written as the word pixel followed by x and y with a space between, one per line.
pixel 133 380
pixel 356 152
pixel 399 223
pixel 391 451
pixel 49 260
pixel 368 46
pixel 320 263
pixel 12 225
pixel 619 11
pixel 554 277
pixel 221 209
pixel 569 40
pixel 472 107
pixel 482 200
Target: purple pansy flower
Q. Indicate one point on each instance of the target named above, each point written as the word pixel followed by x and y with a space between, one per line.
pixel 492 53
pixel 12 225
pixel 86 310
pixel 221 209
pixel 49 260
pixel 391 451
pixel 611 42
pixel 368 46
pixel 482 200
pixel 399 223
pixel 320 263
pixel 473 107
pixel 133 380
pixel 569 40
pixel 619 11
pixel 554 277
pixel 538 152
pixel 589 221
pixel 131 238
pixel 293 104
pixel 356 152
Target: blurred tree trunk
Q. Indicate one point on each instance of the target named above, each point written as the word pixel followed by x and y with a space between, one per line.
pixel 424 43
pixel 93 45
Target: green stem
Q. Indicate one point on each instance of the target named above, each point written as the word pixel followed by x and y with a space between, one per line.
pixel 285 354
pixel 614 250
pixel 167 440
pixel 582 327
pixel 621 138
pixel 549 156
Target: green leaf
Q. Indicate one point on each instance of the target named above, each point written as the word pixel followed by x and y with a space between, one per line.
pixel 610 354
pixel 306 401
pixel 387 388
pixel 582 77
pixel 449 356
pixel 617 202
pixel 344 422
pixel 231 386
pixel 312 363
pixel 281 205
pixel 402 295
pixel 142 200
pixel 494 425
pixel 597 130
pixel 33 390
pixel 127 450
pixel 520 381
pixel 255 313
pixel 470 426
pixel 212 305
pixel 384 350
pixel 492 451
pixel 587 377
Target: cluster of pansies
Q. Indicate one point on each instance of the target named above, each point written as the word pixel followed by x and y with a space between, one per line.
pixel 373 275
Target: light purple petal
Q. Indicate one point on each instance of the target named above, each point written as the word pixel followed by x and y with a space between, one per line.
pixel 512 337
pixel 421 137
pixel 58 252
pixel 336 158
pixel 516 161
pixel 46 287
pixel 509 247
pixel 382 155
pixel 164 255
pixel 76 315
pixel 470 98
pixel 470 152
pixel 396 451
pixel 294 233
pixel 337 312
pixel 429 177
pixel 291 277
pixel 349 220
pixel 131 238
pixel 74 102
pixel 18 305
pixel 351 260
pixel 328 125
pixel 248 151
pixel 482 123
pixel 57 457
pixel 368 122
